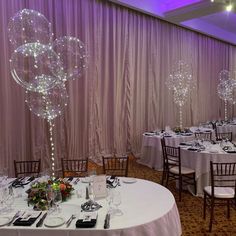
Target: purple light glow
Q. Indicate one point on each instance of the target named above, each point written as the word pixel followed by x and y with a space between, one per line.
pixel 210 29
pixel 169 5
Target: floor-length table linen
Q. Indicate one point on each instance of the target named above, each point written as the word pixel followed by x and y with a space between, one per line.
pixel 148 209
pixel 151 153
pixel 228 128
pixel 200 162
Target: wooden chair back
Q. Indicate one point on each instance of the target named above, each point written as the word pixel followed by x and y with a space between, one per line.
pixel 117 166
pixel 74 167
pixel 27 168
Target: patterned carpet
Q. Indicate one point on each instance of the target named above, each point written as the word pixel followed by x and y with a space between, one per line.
pixel 190 208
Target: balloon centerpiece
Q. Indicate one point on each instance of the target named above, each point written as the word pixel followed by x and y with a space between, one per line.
pixel 42 66
pixel 180 81
pixel 226 89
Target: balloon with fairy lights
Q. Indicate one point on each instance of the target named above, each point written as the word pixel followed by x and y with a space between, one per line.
pixel 29 26
pixel 49 104
pixel 224 89
pixel 35 67
pixel 42 67
pixel 224 75
pixel 73 55
pixel 232 98
pixel 180 81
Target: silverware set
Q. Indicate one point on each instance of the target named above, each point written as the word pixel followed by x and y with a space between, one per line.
pixel 14 218
pixel 70 220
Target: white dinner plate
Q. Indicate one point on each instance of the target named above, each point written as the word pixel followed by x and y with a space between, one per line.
pixel 86 180
pixel 4 220
pixel 213 151
pixel 129 180
pixel 54 221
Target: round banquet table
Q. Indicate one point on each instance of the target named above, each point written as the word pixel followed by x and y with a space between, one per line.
pixel 200 162
pixel 149 209
pixel 151 152
pixel 227 128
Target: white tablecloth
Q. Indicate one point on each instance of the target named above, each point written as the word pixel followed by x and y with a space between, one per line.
pixel 151 154
pixel 148 208
pixel 200 162
pixel 228 128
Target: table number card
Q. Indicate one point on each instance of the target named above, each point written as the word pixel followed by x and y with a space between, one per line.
pixel 99 186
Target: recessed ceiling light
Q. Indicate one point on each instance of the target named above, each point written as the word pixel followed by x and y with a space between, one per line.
pixel 229 7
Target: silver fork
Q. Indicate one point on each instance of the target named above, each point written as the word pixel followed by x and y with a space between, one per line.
pixel 14 217
pixel 70 220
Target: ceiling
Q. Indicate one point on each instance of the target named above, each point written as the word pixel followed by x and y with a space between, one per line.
pixel 204 16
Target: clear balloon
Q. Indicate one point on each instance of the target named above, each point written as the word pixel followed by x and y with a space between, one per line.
pixel 224 75
pixel 49 104
pixel 180 81
pixel 73 55
pixel 181 76
pixel 224 90
pixel 232 88
pixel 180 96
pixel 29 26
pixel 35 67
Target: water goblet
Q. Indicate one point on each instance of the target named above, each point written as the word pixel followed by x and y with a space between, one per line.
pixel 116 200
pixel 9 199
pixel 57 199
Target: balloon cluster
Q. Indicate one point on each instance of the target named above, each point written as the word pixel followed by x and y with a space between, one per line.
pixel 41 65
pixel 180 81
pixel 226 88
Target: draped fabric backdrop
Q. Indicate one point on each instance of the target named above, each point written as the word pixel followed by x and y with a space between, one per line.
pixel 123 92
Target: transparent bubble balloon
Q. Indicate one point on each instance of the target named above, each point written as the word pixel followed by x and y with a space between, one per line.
pixel 180 96
pixel 181 76
pixel 73 55
pixel 232 97
pixel 224 90
pixel 29 26
pixel 224 75
pixel 35 67
pixel 48 105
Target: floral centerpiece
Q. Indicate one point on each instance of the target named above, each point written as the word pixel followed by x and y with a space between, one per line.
pixel 37 194
pixel 183 130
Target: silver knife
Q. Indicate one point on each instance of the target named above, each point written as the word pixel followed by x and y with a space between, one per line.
pixel 40 223
pixel 107 221
pixel 70 220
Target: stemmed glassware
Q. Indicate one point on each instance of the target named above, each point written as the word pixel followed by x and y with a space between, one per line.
pixel 116 200
pixel 57 199
pixel 3 176
pixel 9 198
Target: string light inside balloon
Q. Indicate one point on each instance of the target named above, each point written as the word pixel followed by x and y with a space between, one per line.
pixel 42 66
pixel 226 90
pixel 180 81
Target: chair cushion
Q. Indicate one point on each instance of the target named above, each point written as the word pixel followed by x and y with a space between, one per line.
pixel 172 162
pixel 221 192
pixel 184 170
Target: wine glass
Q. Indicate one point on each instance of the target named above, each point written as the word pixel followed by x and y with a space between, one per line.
pixel 9 198
pixel 3 175
pixel 57 199
pixel 116 200
pixel 2 198
pixel 49 197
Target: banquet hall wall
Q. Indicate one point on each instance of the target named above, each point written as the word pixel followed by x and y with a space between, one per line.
pixel 123 92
